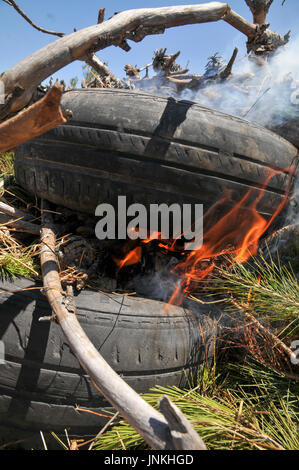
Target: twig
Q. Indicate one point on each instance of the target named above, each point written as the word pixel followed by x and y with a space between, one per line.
pixel 18 224
pixel 13 4
pixel 228 69
pixel 256 102
pixel 9 210
pixel 104 72
pixel 262 328
pixel 145 67
pixel 101 15
pixel 43 440
pixel 104 429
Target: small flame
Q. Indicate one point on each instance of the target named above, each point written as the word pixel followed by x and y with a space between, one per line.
pixel 133 257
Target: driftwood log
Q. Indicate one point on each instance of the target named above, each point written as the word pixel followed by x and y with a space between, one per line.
pixel 21 80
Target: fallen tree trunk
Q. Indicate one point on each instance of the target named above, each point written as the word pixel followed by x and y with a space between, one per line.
pixel 21 80
pixel 37 119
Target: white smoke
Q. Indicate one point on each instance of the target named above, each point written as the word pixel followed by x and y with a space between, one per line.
pixel 267 94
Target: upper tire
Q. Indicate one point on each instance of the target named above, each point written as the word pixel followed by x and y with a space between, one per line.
pixel 153 150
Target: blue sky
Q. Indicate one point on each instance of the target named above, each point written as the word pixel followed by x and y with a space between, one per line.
pixel 196 42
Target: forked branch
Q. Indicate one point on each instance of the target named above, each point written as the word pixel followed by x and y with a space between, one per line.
pixel 21 80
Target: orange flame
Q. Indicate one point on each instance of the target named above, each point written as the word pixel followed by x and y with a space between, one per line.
pixel 133 257
pixel 236 234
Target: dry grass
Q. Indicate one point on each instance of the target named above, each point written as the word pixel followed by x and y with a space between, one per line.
pixel 16 259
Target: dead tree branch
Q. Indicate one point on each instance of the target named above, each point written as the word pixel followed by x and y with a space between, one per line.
pixel 101 15
pixel 37 119
pixel 19 225
pixel 259 10
pixel 170 63
pixel 180 428
pixel 13 212
pixel 13 4
pixel 21 80
pixel 150 424
pixel 228 69
pixel 106 76
pixel 17 219
pixel 132 71
pixel 260 39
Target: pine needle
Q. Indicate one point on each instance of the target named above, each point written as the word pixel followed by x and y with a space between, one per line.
pixel 249 407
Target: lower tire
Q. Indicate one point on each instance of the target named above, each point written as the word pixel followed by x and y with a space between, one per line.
pixel 41 381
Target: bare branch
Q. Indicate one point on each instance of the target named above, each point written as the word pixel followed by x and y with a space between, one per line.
pixel 104 72
pixel 240 23
pixel 18 225
pixel 13 4
pixel 21 80
pixel 259 9
pixel 37 119
pixel 16 213
pixel 228 69
pixel 180 428
pixel 101 15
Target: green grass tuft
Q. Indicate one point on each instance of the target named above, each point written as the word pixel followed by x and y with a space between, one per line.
pixel 6 165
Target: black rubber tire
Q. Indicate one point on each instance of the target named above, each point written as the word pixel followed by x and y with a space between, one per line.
pixel 288 130
pixel 153 150
pixel 41 381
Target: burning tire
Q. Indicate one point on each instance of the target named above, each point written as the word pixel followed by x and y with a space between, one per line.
pixel 41 381
pixel 153 150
